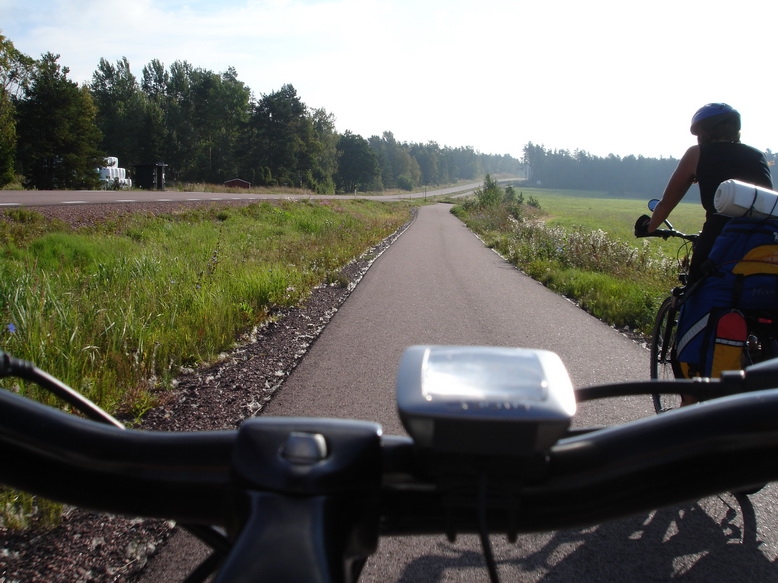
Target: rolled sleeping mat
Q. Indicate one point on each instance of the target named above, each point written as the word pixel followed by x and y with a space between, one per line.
pixel 734 198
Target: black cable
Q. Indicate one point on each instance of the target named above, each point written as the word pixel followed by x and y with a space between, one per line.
pixel 483 529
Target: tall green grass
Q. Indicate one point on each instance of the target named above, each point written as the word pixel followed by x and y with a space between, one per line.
pixel 115 310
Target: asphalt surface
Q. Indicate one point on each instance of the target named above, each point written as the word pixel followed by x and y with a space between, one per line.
pixel 21 198
pixel 438 284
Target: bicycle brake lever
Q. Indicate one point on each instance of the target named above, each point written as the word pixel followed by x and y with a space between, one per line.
pixel 24 369
pixel 12 366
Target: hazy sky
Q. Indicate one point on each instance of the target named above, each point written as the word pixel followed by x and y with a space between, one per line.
pixel 605 76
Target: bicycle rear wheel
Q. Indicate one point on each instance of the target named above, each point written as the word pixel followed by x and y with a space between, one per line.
pixel 662 344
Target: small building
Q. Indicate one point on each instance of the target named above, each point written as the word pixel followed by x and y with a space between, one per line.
pixel 150 176
pixel 237 183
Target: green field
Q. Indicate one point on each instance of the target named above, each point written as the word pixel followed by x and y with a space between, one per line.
pixel 615 216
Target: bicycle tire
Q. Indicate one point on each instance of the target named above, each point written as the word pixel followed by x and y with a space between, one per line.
pixel 662 344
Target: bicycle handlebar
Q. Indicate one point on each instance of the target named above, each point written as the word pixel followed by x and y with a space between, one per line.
pixel 671 231
pixel 188 476
pixel 116 470
pixel 668 233
pixel 343 480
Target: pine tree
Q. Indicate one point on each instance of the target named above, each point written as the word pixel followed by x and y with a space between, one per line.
pixel 57 134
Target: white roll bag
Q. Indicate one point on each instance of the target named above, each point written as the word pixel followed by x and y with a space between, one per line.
pixel 734 198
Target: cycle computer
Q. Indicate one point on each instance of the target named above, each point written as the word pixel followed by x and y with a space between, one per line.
pixel 484 400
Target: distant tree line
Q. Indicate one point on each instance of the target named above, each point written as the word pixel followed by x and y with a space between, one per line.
pixel 209 127
pixel 620 176
pixel 581 170
pixel 206 127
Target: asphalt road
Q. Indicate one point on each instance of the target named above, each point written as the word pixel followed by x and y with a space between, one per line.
pixel 439 284
pixel 14 198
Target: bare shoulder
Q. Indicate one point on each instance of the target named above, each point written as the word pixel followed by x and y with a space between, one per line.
pixel 689 161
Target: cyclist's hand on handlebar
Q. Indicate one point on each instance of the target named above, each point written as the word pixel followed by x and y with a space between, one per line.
pixel 641 226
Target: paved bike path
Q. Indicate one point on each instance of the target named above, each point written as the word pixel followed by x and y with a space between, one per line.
pixel 439 284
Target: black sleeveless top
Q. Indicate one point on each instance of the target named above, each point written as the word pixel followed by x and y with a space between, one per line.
pixel 722 161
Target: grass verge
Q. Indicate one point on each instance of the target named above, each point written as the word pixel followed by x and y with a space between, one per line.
pixel 116 309
pixel 119 307
pixel 560 241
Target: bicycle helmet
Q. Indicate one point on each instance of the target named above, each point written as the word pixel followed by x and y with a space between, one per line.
pixel 711 115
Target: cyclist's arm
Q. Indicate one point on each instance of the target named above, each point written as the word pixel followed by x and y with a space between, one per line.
pixel 683 177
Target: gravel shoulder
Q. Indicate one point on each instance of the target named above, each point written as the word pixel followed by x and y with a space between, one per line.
pixel 94 547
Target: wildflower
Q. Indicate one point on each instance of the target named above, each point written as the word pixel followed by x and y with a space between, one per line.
pixel 11 328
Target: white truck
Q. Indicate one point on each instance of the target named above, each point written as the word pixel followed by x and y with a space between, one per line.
pixel 113 177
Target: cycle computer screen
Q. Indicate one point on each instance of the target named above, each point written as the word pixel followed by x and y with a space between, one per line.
pixel 484 400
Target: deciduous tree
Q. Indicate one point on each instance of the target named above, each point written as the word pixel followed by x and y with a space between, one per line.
pixel 357 163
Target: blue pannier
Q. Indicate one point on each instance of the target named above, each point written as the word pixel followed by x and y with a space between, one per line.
pixel 742 277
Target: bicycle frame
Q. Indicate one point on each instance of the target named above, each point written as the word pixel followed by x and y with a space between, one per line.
pixel 663 365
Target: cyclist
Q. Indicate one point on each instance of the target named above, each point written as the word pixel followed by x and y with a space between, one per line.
pixel 718 156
